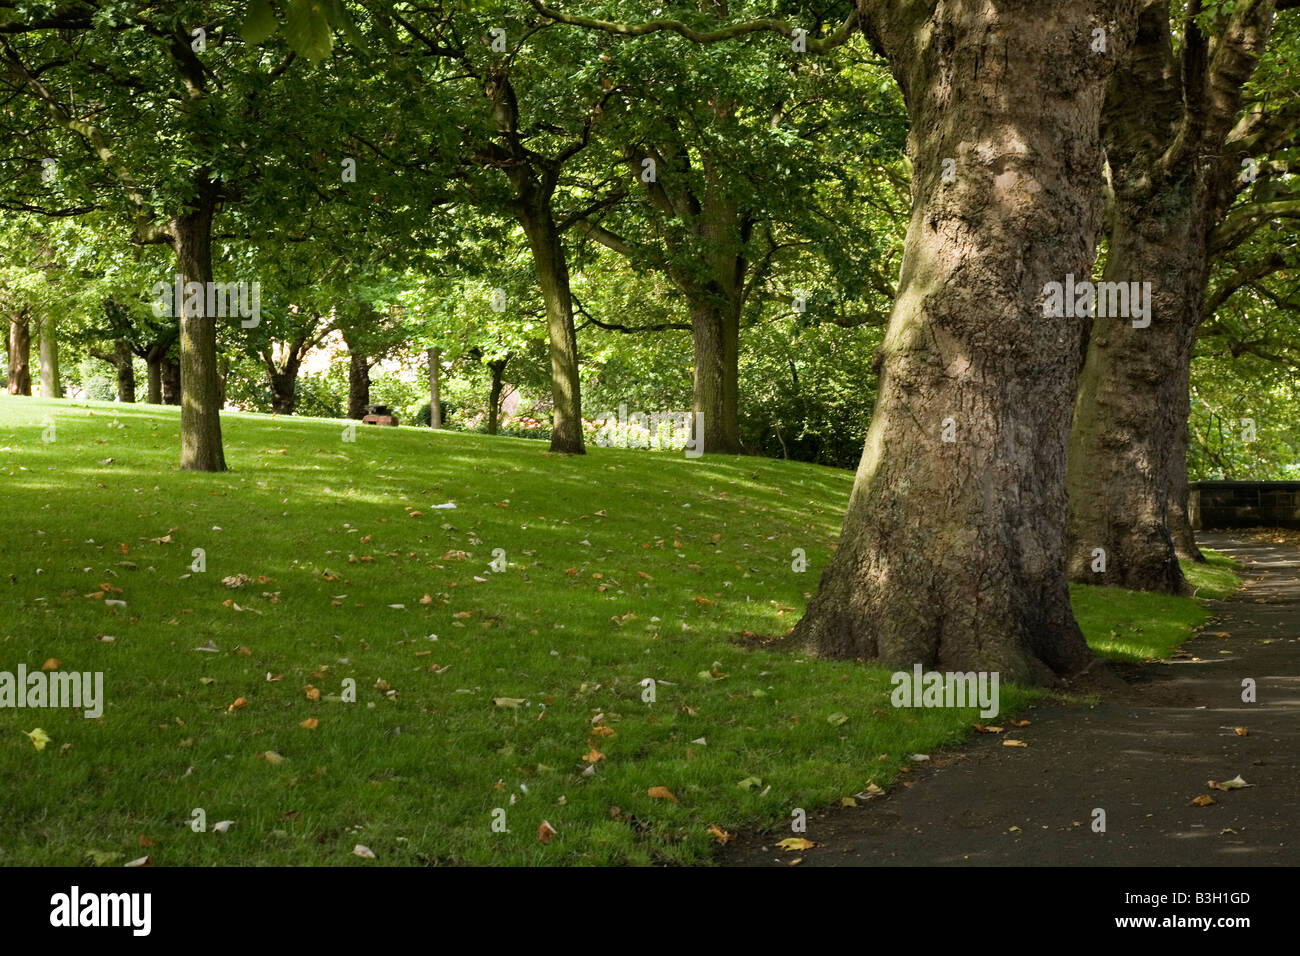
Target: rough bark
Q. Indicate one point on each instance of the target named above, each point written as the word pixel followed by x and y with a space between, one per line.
pixel 201 447
pixel 125 366
pixel 952 553
pixel 51 386
pixel 20 349
pixel 358 385
pixel 435 388
pixel 552 268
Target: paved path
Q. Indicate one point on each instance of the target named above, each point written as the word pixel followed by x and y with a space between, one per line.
pixel 1142 755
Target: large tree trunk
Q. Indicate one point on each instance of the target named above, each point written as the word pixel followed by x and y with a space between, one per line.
pixel 552 270
pixel 201 448
pixel 51 387
pixel 123 362
pixel 358 385
pixel 435 388
pixel 1126 412
pixel 715 333
pixel 498 369
pixel 171 381
pixel 20 354
pixel 952 553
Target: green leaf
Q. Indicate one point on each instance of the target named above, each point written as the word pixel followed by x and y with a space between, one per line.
pixel 307 29
pixel 340 19
pixel 260 24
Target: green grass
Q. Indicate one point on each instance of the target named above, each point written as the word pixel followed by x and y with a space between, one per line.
pixel 1133 626
pixel 622 565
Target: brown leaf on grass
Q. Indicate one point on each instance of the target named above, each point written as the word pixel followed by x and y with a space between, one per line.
pixel 239 704
pixel 987 730
pixel 145 841
pixel 545 832
pixel 311 723
pixel 703 602
pixel 1242 732
pixel 312 692
pixel 593 756
pixel 51 665
pixel 427 599
pixel 661 793
pixel 1014 743
pixel 602 731
pixel 719 834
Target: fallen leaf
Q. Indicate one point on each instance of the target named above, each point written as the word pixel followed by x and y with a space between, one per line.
pixel 661 793
pixel 38 737
pixel 51 665
pixel 1242 732
pixel 363 851
pixel 719 834
pixel 545 832
pixel 1204 800
pixel 239 704
pixel 1009 742
pixel 311 723
pixel 593 756
pixel 796 843
pixel 1236 783
pixel 511 702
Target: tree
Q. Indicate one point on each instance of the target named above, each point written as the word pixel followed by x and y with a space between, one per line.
pixel 1181 127
pixel 176 74
pixel 952 552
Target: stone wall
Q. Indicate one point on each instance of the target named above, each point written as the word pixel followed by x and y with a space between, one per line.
pixel 1244 504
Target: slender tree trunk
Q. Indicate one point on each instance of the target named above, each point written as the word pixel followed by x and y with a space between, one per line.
pixel 125 366
pixel 952 553
pixel 201 447
pixel 51 387
pixel 552 270
pixel 715 333
pixel 20 357
pixel 171 381
pixel 358 385
pixel 435 388
pixel 498 368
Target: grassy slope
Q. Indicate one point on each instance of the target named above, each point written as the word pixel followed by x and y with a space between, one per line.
pixel 622 566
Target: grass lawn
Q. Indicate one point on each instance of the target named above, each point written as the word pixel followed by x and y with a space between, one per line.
pixel 475 689
pixel 1135 627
